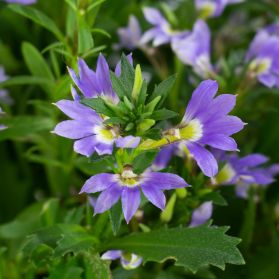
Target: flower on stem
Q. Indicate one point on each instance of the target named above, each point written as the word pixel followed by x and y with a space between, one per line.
pixel 201 214
pixel 162 32
pixel 245 172
pixel 212 8
pixel 194 49
pixel 130 36
pixel 128 260
pixel 127 185
pixel 263 56
pixel 87 127
pixel 205 122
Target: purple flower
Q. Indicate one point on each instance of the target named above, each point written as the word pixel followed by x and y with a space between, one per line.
pixel 130 36
pixel 206 122
pixel 161 33
pixel 245 172
pixel 194 49
pixel 88 129
pixel 201 214
pixel 213 8
pixel 263 56
pixel 128 261
pixel 24 2
pixel 4 94
pixel 127 185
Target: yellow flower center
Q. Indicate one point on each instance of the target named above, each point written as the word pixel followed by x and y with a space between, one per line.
pixel 128 178
pixel 260 66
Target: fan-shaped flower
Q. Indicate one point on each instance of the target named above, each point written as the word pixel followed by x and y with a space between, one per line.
pixel 162 32
pixel 127 185
pixel 87 127
pixel 263 55
pixel 206 122
pixel 194 49
pixel 245 172
pixel 128 260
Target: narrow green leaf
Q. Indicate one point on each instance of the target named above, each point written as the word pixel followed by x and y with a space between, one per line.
pixel 99 106
pixel 192 248
pixel 137 83
pixel 163 114
pixel 163 89
pixel 85 39
pixel 116 217
pixel 39 18
pixel 25 80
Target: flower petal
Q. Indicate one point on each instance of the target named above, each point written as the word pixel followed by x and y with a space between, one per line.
pixel 204 159
pixel 164 181
pixel 252 160
pixel 104 148
pixel 201 214
pixel 112 255
pixel 98 182
pixel 130 202
pixel 220 141
pixel 128 142
pixel 77 111
pixel 85 146
pixel 154 195
pixel 108 198
pixel 74 129
pixel 201 98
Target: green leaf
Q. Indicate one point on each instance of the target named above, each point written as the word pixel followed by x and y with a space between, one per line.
pixel 99 105
pixel 116 217
pixel 144 160
pixel 115 120
pixel 39 18
pixel 25 80
pixel 163 89
pixel 192 248
pixel 85 39
pixel 137 83
pixel 62 238
pixel 24 126
pixel 163 114
pixel 216 197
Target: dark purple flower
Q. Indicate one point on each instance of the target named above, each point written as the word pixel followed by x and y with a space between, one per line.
pixel 4 94
pixel 212 8
pixel 263 56
pixel 161 33
pixel 128 260
pixel 201 214
pixel 206 122
pixel 130 36
pixel 24 2
pixel 245 172
pixel 194 49
pixel 127 185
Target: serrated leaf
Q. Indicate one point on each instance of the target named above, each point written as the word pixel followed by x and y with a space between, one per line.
pixel 163 89
pixel 38 17
pixel 98 105
pixel 192 248
pixel 163 114
pixel 62 238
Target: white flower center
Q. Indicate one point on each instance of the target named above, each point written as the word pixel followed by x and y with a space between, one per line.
pixel 225 175
pixel 193 131
pixel 105 134
pixel 128 178
pixel 260 65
